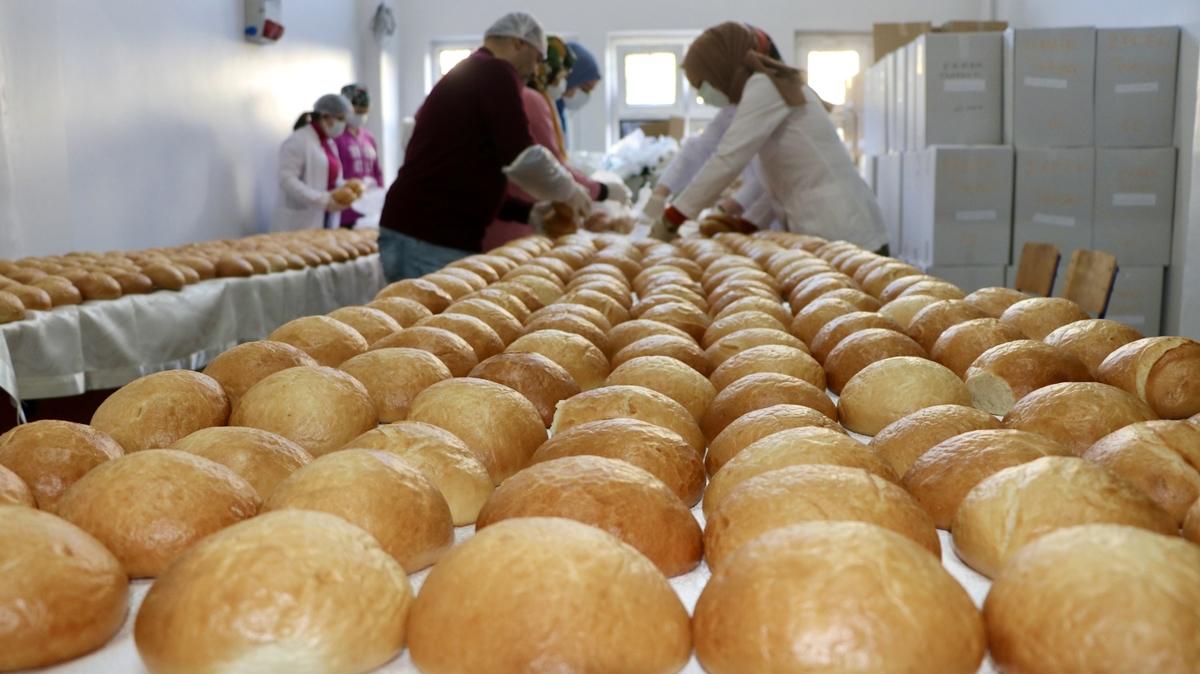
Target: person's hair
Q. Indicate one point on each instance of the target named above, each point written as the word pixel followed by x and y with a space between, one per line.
pixel 303 120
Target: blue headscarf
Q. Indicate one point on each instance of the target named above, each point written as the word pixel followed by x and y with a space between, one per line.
pixel 585 70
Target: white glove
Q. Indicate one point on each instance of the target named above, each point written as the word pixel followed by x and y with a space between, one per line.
pixel 540 174
pixel 655 206
pixel 618 192
pixel 580 202
pixel 333 205
pixel 538 214
pixel 658 230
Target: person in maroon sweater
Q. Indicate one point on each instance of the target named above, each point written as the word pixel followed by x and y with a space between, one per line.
pixel 471 137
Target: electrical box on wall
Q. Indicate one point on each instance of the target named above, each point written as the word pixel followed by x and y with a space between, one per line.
pixel 264 21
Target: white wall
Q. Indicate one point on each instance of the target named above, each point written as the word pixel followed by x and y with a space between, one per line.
pixel 1182 308
pixel 145 123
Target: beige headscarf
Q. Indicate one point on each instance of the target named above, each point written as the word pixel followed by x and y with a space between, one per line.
pixel 727 55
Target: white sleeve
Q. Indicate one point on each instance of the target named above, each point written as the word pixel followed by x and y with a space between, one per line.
pixel 695 151
pixel 752 188
pixel 540 174
pixel 761 212
pixel 758 115
pixel 292 159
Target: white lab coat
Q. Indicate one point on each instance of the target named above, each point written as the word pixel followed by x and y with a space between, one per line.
pixel 805 168
pixel 303 183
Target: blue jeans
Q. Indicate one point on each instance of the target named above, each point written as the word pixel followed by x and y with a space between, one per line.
pixel 404 257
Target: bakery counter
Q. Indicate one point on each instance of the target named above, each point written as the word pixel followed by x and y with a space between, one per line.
pixel 96 345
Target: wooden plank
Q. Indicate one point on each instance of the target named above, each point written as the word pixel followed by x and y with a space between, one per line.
pixel 1090 278
pixel 1037 268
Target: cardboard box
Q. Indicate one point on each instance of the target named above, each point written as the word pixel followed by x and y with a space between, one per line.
pixel 897 102
pixel 970 278
pixel 874 114
pixel 958 89
pixel 958 207
pixel 1135 86
pixel 1052 198
pixel 1134 206
pixel 1137 298
pixel 1049 80
pixel 672 126
pixel 889 192
pixel 888 37
pixel 972 27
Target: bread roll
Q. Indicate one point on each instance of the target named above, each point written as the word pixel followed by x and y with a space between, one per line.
pixel 419 290
pixel 862 348
pixel 754 426
pixel 453 286
pixel 277 556
pixel 994 301
pixel 149 507
pixel 570 323
pixel 941 477
pixel 680 348
pixel 475 265
pixel 905 440
pixel 1191 523
pixel 11 308
pixel 670 292
pixel 756 391
pixel 1092 340
pixel 893 388
pixel 811 492
pixel 1077 414
pixel 404 311
pixel 742 340
pixel 455 352
pixel 629 402
pixel 680 315
pixel 1163 371
pixel 494 420
pixel 775 358
pixel 318 408
pixel 612 310
pixel 776 310
pixel 741 321
pixel 894 289
pixel 165 276
pixel 542 381
pixel 50 455
pixel 1017 505
pixel 260 458
pixel 504 324
pixel 233 266
pixel 31 297
pixel 484 341
pixel 760 613
pixel 543 589
pixel 523 293
pixel 98 286
pixel 472 279
pixel 902 310
pixel 812 318
pixel 60 290
pixel 620 498
pixel 658 450
pixel 586 363
pixel 591 315
pixel 393 377
pixel 378 492
pixel 939 289
pixel 792 447
pixel 1162 458
pixel 878 279
pixel 959 345
pixel 843 326
pixel 811 289
pixel 538 271
pixel 372 324
pixel 668 376
pixel 243 366
pixel 160 408
pixel 1039 316
pixel 929 323
pixel 1004 374
pixel 329 341
pixel 636 330
pixel 13 490
pixel 64 594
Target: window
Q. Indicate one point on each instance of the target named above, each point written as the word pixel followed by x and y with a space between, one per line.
pixel 444 55
pixel 650 88
pixel 449 57
pixel 830 71
pixel 650 78
pixel 831 61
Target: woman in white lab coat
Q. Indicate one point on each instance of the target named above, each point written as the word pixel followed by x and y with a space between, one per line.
pixel 309 168
pixel 804 167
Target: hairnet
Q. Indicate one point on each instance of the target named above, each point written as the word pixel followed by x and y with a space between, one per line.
pixel 521 26
pixel 333 104
pixel 358 95
pixel 585 69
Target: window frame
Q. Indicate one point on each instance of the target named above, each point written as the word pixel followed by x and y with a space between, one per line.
pixel 432 71
pixel 846 118
pixel 694 114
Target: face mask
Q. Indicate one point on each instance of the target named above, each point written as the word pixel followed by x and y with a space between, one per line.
pixel 555 91
pixel 337 128
pixel 356 120
pixel 712 96
pixel 577 101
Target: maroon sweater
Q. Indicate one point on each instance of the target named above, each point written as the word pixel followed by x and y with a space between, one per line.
pixel 471 126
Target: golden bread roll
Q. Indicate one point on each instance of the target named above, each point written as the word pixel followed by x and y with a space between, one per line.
pixel 680 315
pixel 1039 316
pixel 777 310
pixel 804 493
pixel 372 324
pixel 893 388
pixel 543 589
pixel 668 376
pixel 98 286
pixel 811 319
pixel 1077 414
pixel 11 308
pixel 1163 371
pixel 902 310
pixel 13 490
pixel 446 461
pixel 379 492
pixel 928 324
pixel 959 345
pixel 542 381
pixel 1005 373
pixel 318 408
pixel 454 351
pixel 938 289
pixel 861 300
pixel 740 321
pixel 775 358
pixel 618 497
pixel 569 323
pixel 32 297
pixel 204 268
pixel 607 287
pixel 732 344
pixel 862 348
pixel 1017 505
pixel 903 441
pixel 612 310
pixel 260 458
pixel 494 420
pixel 527 270
pixel 158 409
pixel 231 266
pixel 544 290
pixel 61 291
pixel 404 311
pixel 1092 340
pixel 681 348
pixel 523 293
pixel 484 341
pixel 199 617
pixel 1191 523
pixel 792 447
pixel 629 402
pixel 450 284
pixel 472 279
pixel 419 290
pixel 151 506
pixel 243 366
pixel 504 324
pixel 627 333
pixel 885 606
pixel 329 341
pixel 754 426
pixel 941 477
pixel 64 593
pixel 994 301
pixel 50 455
pixel 756 391
pixel 895 288
pixel 132 282
pixel 1067 601
pixel 841 327
pixel 393 378
pixel 476 266
pixel 586 363
pixel 655 449
pixel 877 280
pixel 591 315
pixel 165 276
pixel 1162 458
pixel 648 302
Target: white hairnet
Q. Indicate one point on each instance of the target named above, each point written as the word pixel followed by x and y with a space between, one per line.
pixel 521 26
pixel 333 104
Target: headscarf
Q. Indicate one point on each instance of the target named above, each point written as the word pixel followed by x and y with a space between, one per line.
pixel 358 95
pixel 585 69
pixel 727 55
pixel 559 58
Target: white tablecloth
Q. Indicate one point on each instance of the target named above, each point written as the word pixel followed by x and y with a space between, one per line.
pixel 98 345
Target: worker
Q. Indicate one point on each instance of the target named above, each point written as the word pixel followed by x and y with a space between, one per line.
pixel 582 79
pixel 804 166
pixel 357 149
pixel 538 97
pixel 310 174
pixel 472 136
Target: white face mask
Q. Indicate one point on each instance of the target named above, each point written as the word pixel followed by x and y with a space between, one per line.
pixel 335 129
pixel 555 91
pixel 356 120
pixel 712 96
pixel 578 100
